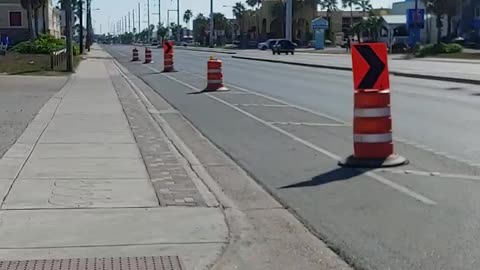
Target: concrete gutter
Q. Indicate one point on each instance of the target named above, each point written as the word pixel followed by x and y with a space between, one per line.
pixel 395 73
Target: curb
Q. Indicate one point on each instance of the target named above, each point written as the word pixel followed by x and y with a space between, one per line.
pixel 199 50
pixel 395 73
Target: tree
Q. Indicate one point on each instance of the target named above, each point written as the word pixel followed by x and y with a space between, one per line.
pixel 44 4
pixel 187 16
pixel 350 4
pixel 200 25
pixel 27 4
pixel 239 11
pixel 330 6
pixel 162 31
pixel 440 8
pixel 278 12
pixel 253 3
pixel 364 6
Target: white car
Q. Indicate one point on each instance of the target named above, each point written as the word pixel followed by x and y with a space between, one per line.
pixel 267 44
pixel 187 43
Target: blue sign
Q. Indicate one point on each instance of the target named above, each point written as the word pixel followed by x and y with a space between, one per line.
pixel 416 17
pixel 319 24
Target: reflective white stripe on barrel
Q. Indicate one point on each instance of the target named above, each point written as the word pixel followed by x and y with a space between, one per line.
pixel 214 71
pixel 215 81
pixel 372 112
pixel 372 138
pixel 168 66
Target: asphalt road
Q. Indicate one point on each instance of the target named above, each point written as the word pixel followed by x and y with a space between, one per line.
pixel 21 97
pixel 288 125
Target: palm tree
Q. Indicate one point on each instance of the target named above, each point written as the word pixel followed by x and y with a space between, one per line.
pixel 350 4
pixel 253 3
pixel 187 16
pixel 330 6
pixel 364 6
pixel 238 11
pixel 27 4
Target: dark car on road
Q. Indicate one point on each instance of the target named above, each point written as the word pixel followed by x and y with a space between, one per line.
pixel 284 46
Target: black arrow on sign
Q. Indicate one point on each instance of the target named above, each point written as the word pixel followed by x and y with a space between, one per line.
pixel 169 47
pixel 376 67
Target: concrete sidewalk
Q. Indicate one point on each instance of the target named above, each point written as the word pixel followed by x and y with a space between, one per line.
pixel 447 70
pixel 92 176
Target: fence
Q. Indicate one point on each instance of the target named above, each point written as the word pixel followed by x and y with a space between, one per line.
pixel 58 60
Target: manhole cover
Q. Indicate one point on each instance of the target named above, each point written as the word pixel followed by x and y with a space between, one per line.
pixel 123 263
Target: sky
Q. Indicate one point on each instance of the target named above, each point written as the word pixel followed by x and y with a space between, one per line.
pixel 108 12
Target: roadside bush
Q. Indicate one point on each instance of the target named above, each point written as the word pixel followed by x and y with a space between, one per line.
pixel 433 49
pixel 44 44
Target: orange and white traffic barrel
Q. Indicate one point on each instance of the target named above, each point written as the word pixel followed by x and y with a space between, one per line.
pixel 135 56
pixel 168 63
pixel 372 116
pixel 215 76
pixel 168 56
pixel 148 56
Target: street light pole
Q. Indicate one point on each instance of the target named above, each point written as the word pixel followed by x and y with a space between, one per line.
pixel 80 19
pixel 129 25
pixel 139 19
pixel 211 25
pixel 68 34
pixel 89 24
pixel 148 20
pixel 178 21
pixel 159 12
pixel 288 21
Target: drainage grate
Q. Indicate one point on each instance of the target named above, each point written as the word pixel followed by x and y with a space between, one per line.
pixel 123 263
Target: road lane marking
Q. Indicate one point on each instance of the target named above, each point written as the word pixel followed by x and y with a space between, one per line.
pixel 308 124
pixel 278 100
pixel 325 152
pixel 153 69
pixel 263 105
pixel 121 54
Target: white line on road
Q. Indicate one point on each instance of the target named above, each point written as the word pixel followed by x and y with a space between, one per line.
pixel 263 105
pixel 122 54
pixel 278 100
pixel 308 124
pixel 333 156
pixel 153 69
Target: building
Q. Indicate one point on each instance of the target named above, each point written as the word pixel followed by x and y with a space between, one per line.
pixel 14 21
pixel 264 23
pixel 467 20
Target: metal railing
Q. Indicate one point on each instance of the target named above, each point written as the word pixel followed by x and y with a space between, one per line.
pixel 58 60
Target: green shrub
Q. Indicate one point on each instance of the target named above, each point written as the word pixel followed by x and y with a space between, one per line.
pixel 433 49
pixel 44 44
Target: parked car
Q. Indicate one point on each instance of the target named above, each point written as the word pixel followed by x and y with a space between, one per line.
pixel 267 44
pixel 187 43
pixel 284 46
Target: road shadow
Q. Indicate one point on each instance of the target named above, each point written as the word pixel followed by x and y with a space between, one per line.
pixel 339 174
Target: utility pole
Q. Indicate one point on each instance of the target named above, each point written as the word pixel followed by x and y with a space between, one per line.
pixel 89 24
pixel 148 21
pixel 133 18
pixel 178 21
pixel 288 20
pixel 211 24
pixel 139 19
pixel 159 12
pixel 68 34
pixel 80 15
pixel 129 25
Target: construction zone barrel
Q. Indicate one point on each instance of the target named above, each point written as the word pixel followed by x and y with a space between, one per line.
pixel 148 56
pixel 135 56
pixel 372 119
pixel 168 56
pixel 215 76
